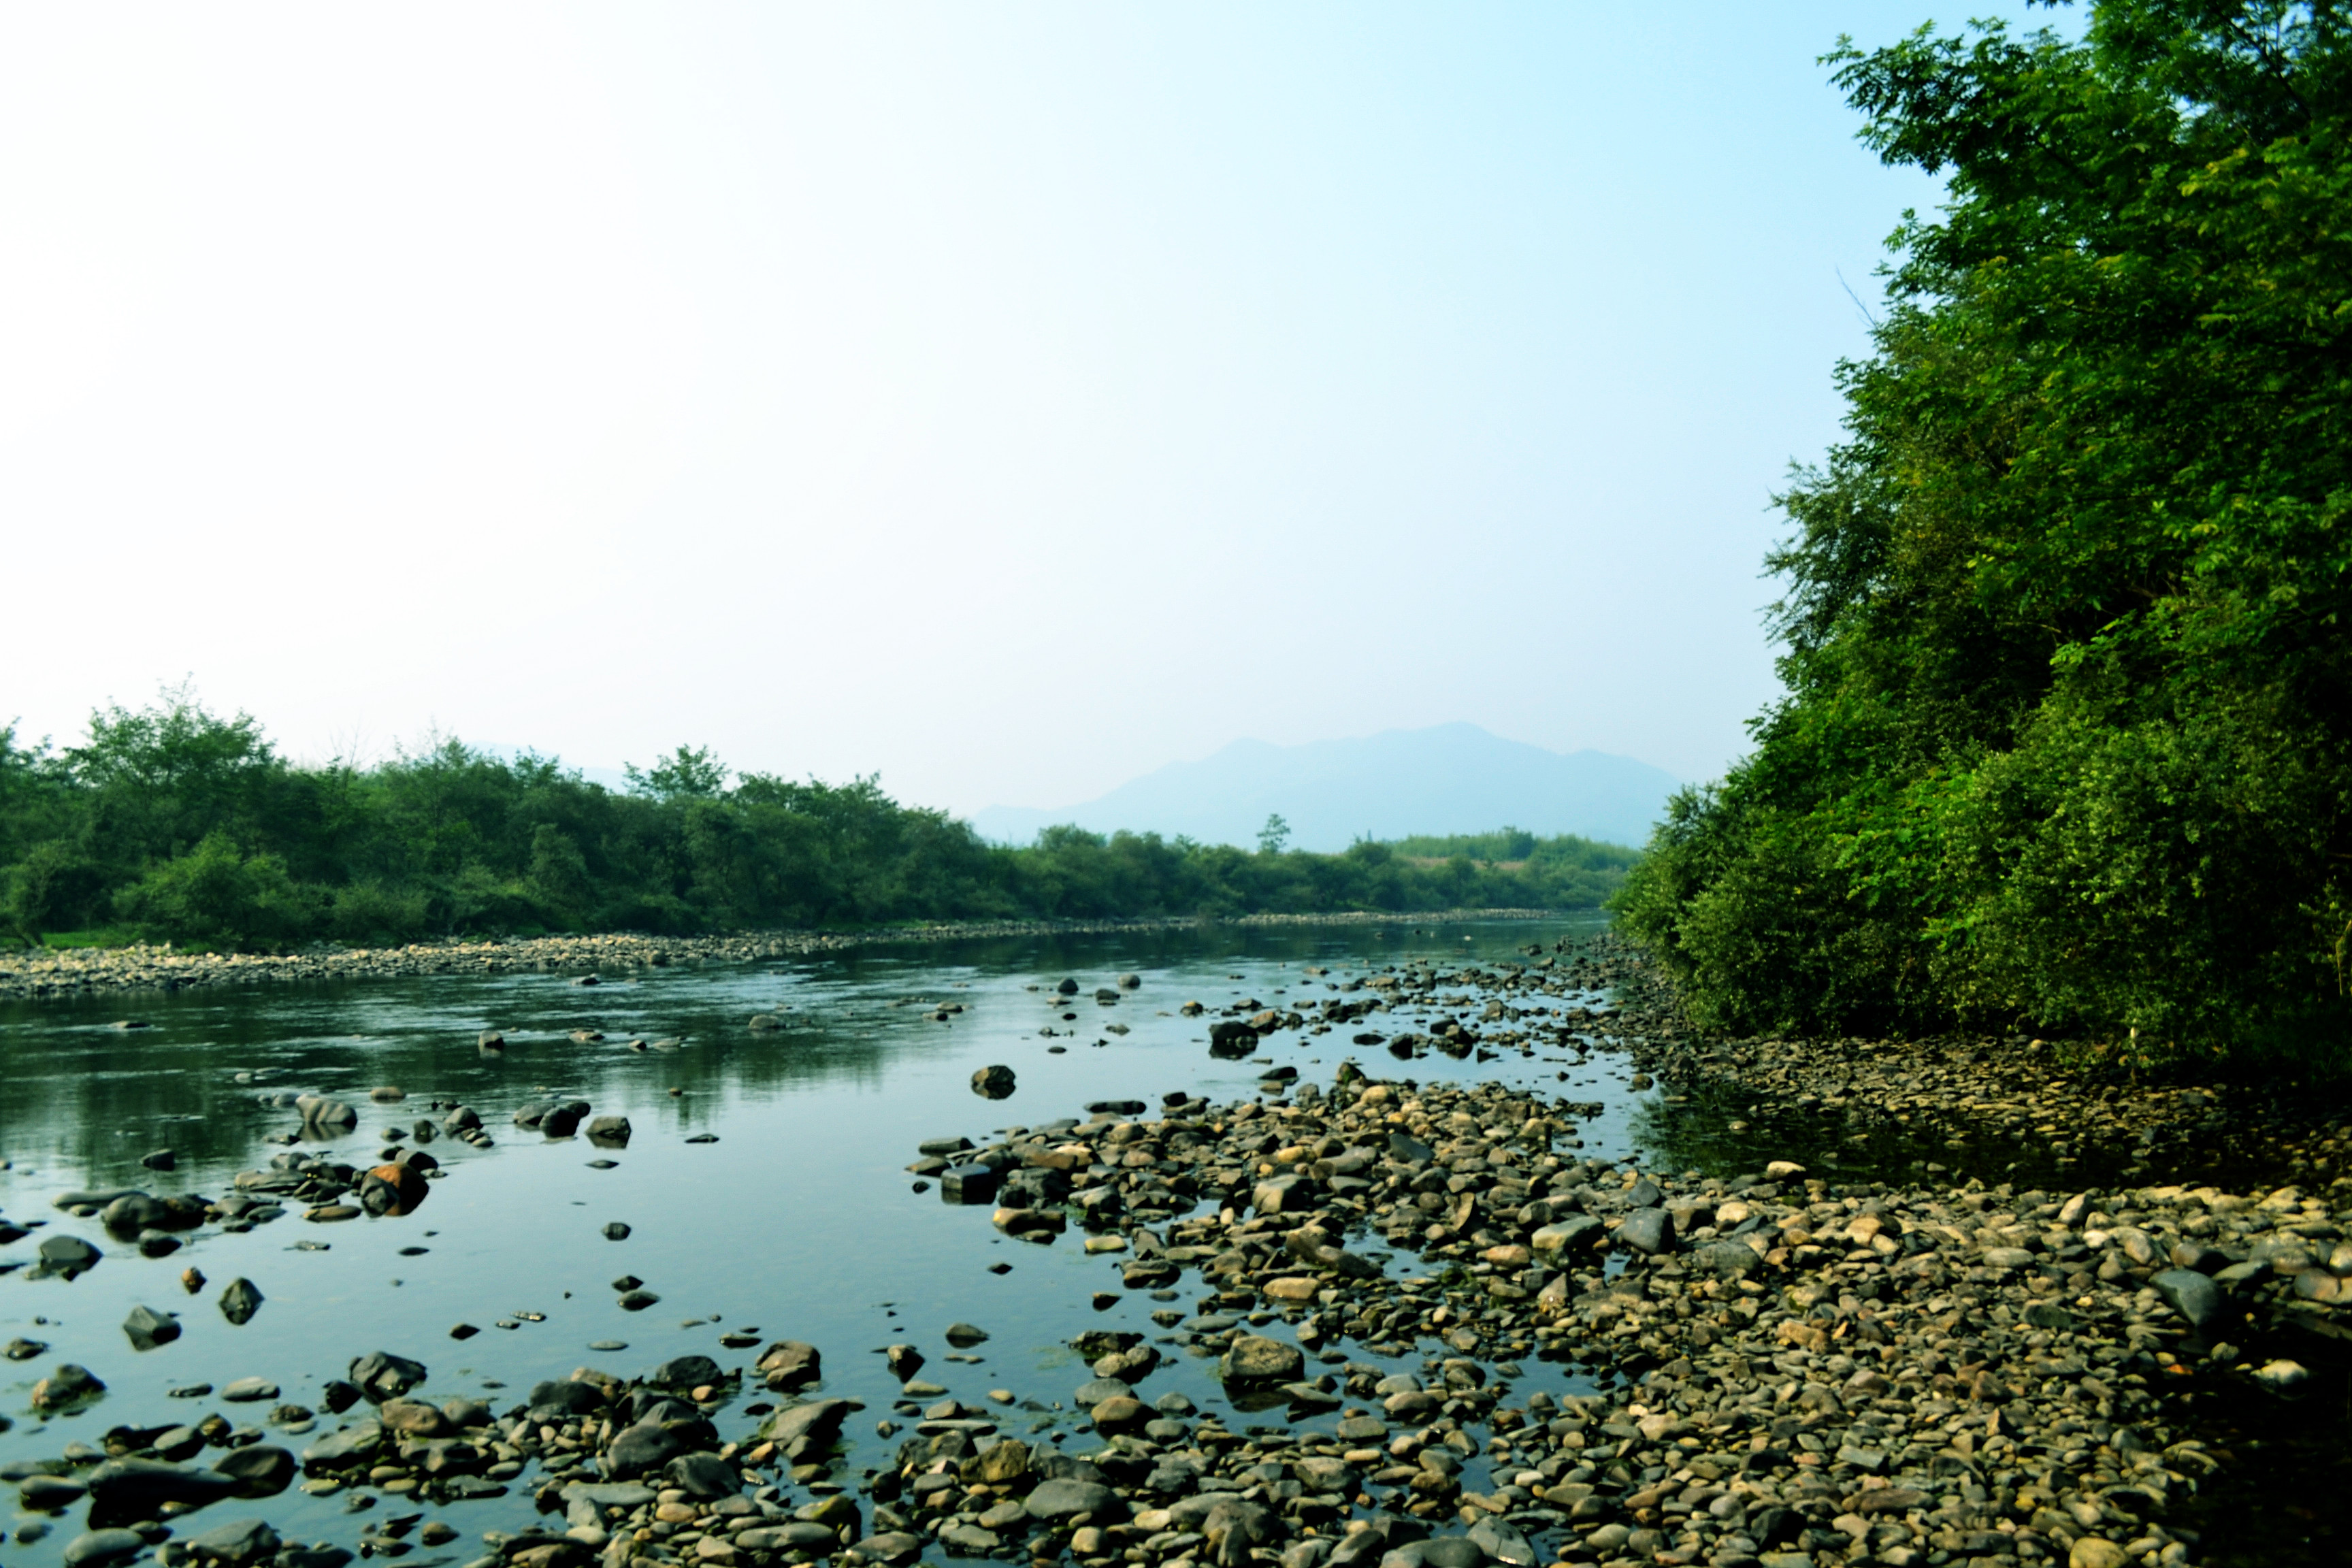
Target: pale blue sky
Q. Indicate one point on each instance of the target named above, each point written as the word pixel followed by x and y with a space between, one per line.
pixel 1007 398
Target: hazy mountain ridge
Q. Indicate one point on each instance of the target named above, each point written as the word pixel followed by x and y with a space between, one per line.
pixel 1449 778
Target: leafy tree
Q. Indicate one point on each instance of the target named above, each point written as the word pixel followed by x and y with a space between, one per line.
pixel 2067 734
pixel 52 889
pixel 690 772
pixel 215 893
pixel 1274 835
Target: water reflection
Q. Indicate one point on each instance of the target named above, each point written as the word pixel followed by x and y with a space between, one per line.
pixel 760 1192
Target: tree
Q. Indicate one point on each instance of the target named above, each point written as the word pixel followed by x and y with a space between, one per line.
pixel 2066 739
pixel 690 772
pixel 1274 835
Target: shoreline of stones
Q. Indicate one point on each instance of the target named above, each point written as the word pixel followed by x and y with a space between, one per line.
pixel 1787 1372
pixel 79 972
pixel 1811 1374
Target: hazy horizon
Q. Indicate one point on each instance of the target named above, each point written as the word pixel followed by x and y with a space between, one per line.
pixel 1010 402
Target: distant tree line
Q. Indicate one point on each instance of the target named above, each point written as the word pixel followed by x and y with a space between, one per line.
pixel 170 821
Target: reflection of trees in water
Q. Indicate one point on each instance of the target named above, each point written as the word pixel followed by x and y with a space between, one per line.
pixel 83 1102
pixel 1697 1135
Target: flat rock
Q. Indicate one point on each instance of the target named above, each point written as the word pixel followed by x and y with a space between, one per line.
pixel 1055 1500
pixel 103 1546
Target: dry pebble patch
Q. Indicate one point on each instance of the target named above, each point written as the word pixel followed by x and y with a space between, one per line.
pixel 87 970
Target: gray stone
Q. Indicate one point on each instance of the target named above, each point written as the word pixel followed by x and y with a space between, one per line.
pixel 704 1475
pixel 69 1385
pixel 148 1328
pixel 685 1372
pixel 1650 1230
pixel 969 1183
pixel 893 1546
pixel 790 1365
pixel 45 1494
pixel 1057 1500
pixel 69 1256
pixel 635 1450
pixel 1502 1543
pixel 240 1542
pixel 133 1489
pixel 1576 1232
pixel 2191 1294
pixel 970 1539
pixel 1254 1358
pixel 339 1450
pixel 797 1536
pixel 818 1422
pixel 100 1547
pixel 260 1469
pixel 382 1375
pixel 559 1399
pixel 993 1082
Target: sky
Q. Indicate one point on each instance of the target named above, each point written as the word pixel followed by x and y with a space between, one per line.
pixel 1007 398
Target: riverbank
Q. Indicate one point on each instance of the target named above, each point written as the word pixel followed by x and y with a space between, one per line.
pixel 1441 1305
pixel 82 972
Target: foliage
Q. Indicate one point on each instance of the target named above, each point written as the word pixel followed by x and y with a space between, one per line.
pixel 175 822
pixel 2067 735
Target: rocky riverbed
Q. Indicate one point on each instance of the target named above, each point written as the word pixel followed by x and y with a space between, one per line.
pixel 1446 1330
pixel 58 972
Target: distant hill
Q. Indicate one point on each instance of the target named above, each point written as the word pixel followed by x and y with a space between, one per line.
pixel 1452 778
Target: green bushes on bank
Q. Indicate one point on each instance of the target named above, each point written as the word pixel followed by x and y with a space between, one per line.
pixel 2067 638
pixel 174 823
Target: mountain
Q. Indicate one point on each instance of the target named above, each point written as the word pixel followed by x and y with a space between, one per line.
pixel 1452 778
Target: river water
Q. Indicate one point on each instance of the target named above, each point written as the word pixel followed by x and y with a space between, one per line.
pixel 800 1221
pixel 765 1186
